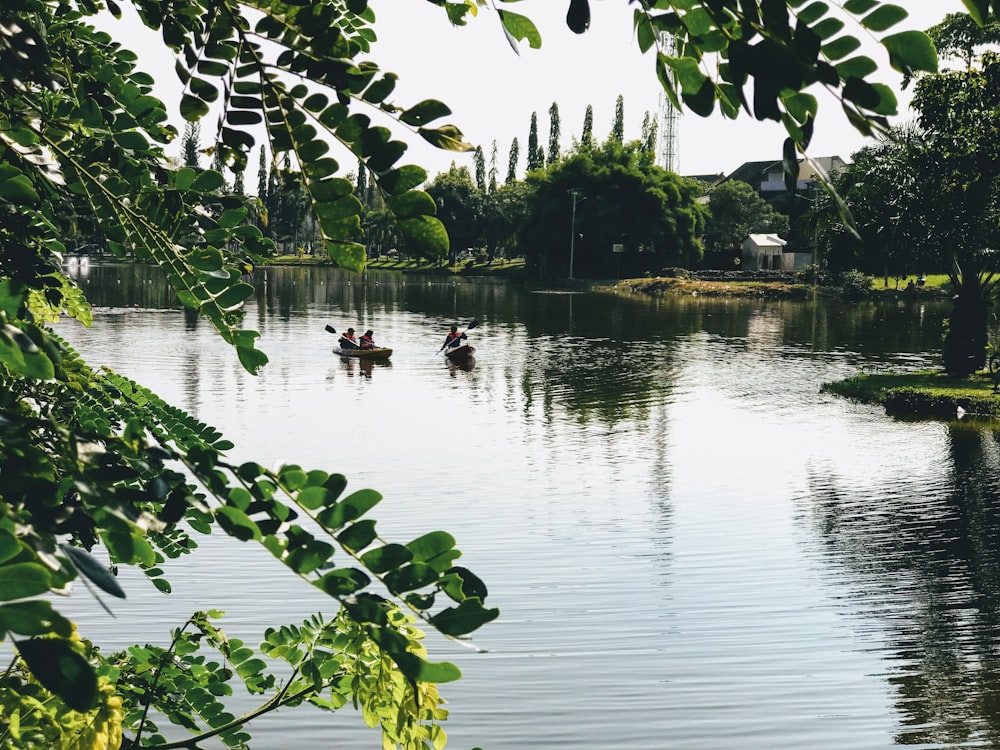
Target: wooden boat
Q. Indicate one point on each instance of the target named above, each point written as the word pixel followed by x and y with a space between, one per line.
pixel 381 352
pixel 460 353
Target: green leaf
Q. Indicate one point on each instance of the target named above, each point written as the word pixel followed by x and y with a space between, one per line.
pixel 429 546
pixel 98 574
pixel 206 259
pixel 61 670
pixel 856 67
pixel 358 535
pixel 131 139
pixel 461 584
pixel 410 578
pixel 237 524
pixel 349 255
pixel 578 16
pixel 34 617
pixel 447 137
pixel 402 179
pixel 385 558
pixel 24 579
pixel 312 498
pixel 343 582
pixel 884 17
pixel 18 190
pixel 427 235
pixel 911 51
pixel 352 507
pixel 412 203
pixel 128 547
pixel 184 178
pixel 208 180
pixel 424 112
pixel 307 558
pixel 10 547
pixel 420 670
pixel 465 618
pixel 193 108
pixel 519 27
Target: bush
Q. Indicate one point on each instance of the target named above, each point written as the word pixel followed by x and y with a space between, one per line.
pixel 856 285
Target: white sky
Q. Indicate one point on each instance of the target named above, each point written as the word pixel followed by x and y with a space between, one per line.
pixel 492 92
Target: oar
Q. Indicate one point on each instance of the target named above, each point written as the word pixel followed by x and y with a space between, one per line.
pixel 468 328
pixel 342 341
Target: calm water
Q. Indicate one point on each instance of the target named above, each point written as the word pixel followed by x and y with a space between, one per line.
pixel 690 545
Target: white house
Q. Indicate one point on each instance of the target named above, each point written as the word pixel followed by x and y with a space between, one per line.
pixel 765 251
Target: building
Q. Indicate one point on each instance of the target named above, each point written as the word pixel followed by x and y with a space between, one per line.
pixel 765 252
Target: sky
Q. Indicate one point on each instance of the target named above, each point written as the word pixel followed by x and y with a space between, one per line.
pixel 493 91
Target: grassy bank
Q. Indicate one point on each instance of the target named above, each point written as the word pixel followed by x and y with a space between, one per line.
pixel 411 265
pixel 935 286
pixel 928 393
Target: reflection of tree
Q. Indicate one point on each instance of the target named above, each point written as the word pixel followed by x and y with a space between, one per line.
pixel 927 557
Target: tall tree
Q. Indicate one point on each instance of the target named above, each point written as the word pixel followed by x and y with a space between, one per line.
pixel 512 162
pixel 882 186
pixel 618 128
pixel 494 170
pixel 533 164
pixel 262 176
pixel 479 160
pixel 361 186
pixel 587 136
pixel 190 147
pixel 960 113
pixel 553 154
pixel 650 128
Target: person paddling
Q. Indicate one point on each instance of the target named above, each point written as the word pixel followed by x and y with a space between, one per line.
pixel 367 342
pixel 454 338
pixel 347 340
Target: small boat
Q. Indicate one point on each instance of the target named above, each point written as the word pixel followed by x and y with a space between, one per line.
pixel 381 352
pixel 460 353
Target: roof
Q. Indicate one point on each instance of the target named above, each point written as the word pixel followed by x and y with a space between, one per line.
pixel 767 240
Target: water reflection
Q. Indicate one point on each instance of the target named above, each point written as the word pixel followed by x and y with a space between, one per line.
pixel 925 557
pixel 686 538
pixel 357 367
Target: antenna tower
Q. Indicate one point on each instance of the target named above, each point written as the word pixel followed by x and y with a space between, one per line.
pixel 668 152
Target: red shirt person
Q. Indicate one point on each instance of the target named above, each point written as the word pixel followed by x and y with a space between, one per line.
pixel 367 342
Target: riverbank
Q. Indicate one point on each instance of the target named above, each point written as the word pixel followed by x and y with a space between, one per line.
pixel 929 393
pixel 766 285
pixel 919 395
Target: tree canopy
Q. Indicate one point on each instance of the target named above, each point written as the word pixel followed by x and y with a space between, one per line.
pixel 736 210
pixel 624 198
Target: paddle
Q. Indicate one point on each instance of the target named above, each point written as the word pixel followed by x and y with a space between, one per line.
pixel 342 341
pixel 468 328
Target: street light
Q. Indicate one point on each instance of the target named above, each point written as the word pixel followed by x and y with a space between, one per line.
pixel 577 194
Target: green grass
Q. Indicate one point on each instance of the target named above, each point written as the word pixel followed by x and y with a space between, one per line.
pixel 928 393
pixel 504 267
pixel 934 281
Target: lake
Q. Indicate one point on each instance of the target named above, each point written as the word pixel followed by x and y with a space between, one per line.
pixel 690 545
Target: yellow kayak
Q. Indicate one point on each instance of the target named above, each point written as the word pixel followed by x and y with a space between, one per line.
pixel 381 352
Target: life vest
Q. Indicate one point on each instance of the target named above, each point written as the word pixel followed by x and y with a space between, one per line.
pixel 367 342
pixel 349 336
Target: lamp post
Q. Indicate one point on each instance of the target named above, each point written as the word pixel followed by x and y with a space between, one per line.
pixel 577 194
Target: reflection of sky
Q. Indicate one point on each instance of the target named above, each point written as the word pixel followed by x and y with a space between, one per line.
pixel 636 511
